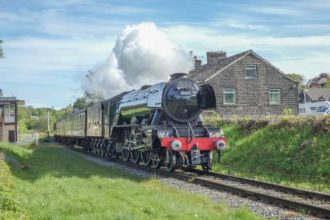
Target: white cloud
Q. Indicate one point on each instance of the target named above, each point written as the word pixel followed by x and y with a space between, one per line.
pixel 276 10
pixel 66 38
pixel 187 34
pixel 305 53
pixel 41 55
pixel 235 24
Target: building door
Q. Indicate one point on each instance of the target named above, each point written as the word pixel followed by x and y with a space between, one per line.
pixel 11 135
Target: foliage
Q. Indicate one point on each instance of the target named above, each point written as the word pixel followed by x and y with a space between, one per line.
pixel 212 118
pixel 82 103
pixel 35 119
pixel 9 206
pixel 289 149
pixel 322 81
pixel 296 76
pixel 287 111
pixel 327 84
pixel 299 78
pixel 64 185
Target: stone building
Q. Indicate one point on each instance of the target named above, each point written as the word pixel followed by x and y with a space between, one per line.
pixel 8 118
pixel 246 84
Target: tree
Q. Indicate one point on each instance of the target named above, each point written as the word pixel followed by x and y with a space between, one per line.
pixel 320 81
pixel 1 52
pixel 297 77
pixel 327 84
pixel 81 103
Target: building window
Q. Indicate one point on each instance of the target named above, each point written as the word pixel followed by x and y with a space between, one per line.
pixel 229 96
pixel 251 71
pixel 9 113
pixel 274 96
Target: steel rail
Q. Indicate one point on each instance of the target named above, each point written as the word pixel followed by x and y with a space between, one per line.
pixel 276 187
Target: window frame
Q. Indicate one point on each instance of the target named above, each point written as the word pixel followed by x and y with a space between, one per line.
pixel 272 92
pixel 9 113
pixel 255 68
pixel 233 91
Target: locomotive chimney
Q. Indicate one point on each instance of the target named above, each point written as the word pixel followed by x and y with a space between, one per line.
pixel 214 57
pixel 177 75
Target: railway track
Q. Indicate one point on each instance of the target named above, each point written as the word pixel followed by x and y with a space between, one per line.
pixel 308 202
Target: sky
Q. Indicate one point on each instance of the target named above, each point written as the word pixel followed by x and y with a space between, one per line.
pixel 50 45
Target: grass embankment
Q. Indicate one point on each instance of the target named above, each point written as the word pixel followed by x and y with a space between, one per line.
pixel 9 207
pixel 290 150
pixel 53 183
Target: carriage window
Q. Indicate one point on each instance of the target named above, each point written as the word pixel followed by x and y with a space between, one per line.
pixel 229 96
pixel 251 71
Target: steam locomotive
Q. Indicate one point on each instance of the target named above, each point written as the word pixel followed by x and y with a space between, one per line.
pixel 155 125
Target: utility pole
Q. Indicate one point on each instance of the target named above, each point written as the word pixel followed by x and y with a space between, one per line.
pixel 48 125
pixel 305 100
pixel 48 121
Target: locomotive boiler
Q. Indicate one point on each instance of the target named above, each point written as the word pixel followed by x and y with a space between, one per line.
pixel 155 125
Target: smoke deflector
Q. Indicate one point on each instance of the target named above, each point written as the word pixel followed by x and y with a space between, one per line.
pixel 206 97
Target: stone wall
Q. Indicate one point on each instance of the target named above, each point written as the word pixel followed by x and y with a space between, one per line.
pixel 6 129
pixel 252 94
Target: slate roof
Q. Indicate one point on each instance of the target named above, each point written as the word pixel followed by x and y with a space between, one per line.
pixel 315 94
pixel 207 71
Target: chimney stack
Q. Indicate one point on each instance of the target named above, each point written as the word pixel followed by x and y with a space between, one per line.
pixel 214 57
pixel 1 94
pixel 197 62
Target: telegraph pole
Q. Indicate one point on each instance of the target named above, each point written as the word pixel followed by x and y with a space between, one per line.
pixel 48 125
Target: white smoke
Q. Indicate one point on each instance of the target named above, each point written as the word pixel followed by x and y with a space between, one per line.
pixel 142 55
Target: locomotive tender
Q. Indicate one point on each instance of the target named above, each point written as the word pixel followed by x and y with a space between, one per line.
pixel 155 125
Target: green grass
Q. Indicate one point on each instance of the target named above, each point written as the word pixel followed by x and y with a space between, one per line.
pixel 53 183
pixel 289 155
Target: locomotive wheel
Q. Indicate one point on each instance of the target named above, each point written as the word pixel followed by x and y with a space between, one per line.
pixel 108 150
pixel 113 152
pixel 170 161
pixel 104 149
pixel 156 160
pixel 135 156
pixel 146 158
pixel 125 155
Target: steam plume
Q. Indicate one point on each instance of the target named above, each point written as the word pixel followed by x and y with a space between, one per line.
pixel 142 55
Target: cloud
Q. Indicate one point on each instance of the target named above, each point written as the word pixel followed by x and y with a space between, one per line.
pixel 300 51
pixel 142 55
pixel 55 41
pixel 276 10
pixel 38 55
